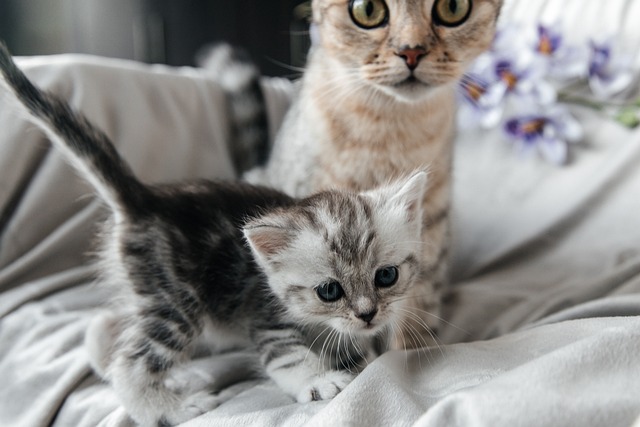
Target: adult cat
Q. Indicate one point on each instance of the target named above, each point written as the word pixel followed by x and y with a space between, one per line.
pixel 376 102
pixel 310 284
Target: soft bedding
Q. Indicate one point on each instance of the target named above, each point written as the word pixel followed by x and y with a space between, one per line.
pixel 542 320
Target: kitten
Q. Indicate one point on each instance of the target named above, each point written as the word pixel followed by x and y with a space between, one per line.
pixel 376 102
pixel 248 266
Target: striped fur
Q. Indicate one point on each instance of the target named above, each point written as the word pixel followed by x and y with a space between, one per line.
pixel 229 266
pixel 366 114
pixel 239 77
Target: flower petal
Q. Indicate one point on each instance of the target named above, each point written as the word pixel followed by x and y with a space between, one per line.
pixel 555 150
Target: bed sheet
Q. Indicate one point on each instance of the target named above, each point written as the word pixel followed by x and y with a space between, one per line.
pixel 542 318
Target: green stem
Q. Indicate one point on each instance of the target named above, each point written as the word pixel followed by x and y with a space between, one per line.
pixel 579 100
pixel 573 98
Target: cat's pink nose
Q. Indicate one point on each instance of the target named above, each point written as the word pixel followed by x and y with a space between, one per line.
pixel 412 56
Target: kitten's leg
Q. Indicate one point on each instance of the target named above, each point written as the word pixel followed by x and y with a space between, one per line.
pixel 100 340
pixel 295 368
pixel 155 341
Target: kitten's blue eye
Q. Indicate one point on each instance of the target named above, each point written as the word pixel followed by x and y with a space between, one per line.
pixel 451 13
pixel 386 277
pixel 368 14
pixel 330 292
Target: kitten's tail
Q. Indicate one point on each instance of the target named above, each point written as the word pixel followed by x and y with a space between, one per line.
pixel 239 77
pixel 87 148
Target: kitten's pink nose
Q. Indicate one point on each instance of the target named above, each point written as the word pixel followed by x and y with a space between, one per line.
pixel 412 56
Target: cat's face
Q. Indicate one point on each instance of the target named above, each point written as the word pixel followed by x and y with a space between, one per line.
pixel 344 260
pixel 404 48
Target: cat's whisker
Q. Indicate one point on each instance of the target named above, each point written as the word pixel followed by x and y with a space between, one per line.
pixel 314 341
pixel 323 349
pixel 423 324
pixel 396 331
pixel 406 327
pixel 419 341
pixel 428 313
pixel 348 356
pixel 336 93
pixel 359 351
pixel 284 65
pixel 464 331
pixel 326 347
pixel 412 297
pixel 335 345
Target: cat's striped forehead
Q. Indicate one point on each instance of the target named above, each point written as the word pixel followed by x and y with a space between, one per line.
pixel 345 221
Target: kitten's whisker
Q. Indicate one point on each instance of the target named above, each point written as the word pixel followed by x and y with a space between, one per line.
pixel 323 349
pixel 314 341
pixel 426 327
pixel 336 346
pixel 443 320
pixel 360 351
pixel 344 345
pixel 407 327
pixel 355 347
pixel 396 330
pixel 419 342
pixel 329 349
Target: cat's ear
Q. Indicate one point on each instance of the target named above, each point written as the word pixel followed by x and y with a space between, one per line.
pixel 410 194
pixel 267 240
pixel 407 194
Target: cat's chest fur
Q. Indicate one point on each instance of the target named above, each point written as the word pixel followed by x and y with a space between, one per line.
pixel 368 144
pixel 360 140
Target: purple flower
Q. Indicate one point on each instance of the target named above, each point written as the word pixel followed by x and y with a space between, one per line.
pixel 547 133
pixel 609 74
pixel 562 60
pixel 480 101
pixel 523 76
pixel 548 41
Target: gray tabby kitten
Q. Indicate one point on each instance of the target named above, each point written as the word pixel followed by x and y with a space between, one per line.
pixel 311 284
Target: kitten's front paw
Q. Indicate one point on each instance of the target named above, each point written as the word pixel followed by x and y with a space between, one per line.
pixel 325 386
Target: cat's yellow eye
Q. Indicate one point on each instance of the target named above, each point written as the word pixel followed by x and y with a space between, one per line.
pixel 368 13
pixel 451 13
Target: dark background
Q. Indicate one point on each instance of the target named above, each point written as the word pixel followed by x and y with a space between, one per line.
pixel 158 31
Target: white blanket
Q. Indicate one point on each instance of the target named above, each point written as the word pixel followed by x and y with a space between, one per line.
pixel 543 318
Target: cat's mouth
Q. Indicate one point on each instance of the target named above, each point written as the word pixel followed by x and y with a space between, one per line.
pixel 410 82
pixel 370 328
pixel 410 89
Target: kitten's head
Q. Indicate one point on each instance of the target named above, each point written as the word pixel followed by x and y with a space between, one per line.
pixel 342 259
pixel 404 47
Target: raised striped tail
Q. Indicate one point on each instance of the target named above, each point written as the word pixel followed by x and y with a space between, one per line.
pixel 87 148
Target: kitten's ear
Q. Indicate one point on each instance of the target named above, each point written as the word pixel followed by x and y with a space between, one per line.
pixel 267 240
pixel 410 194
